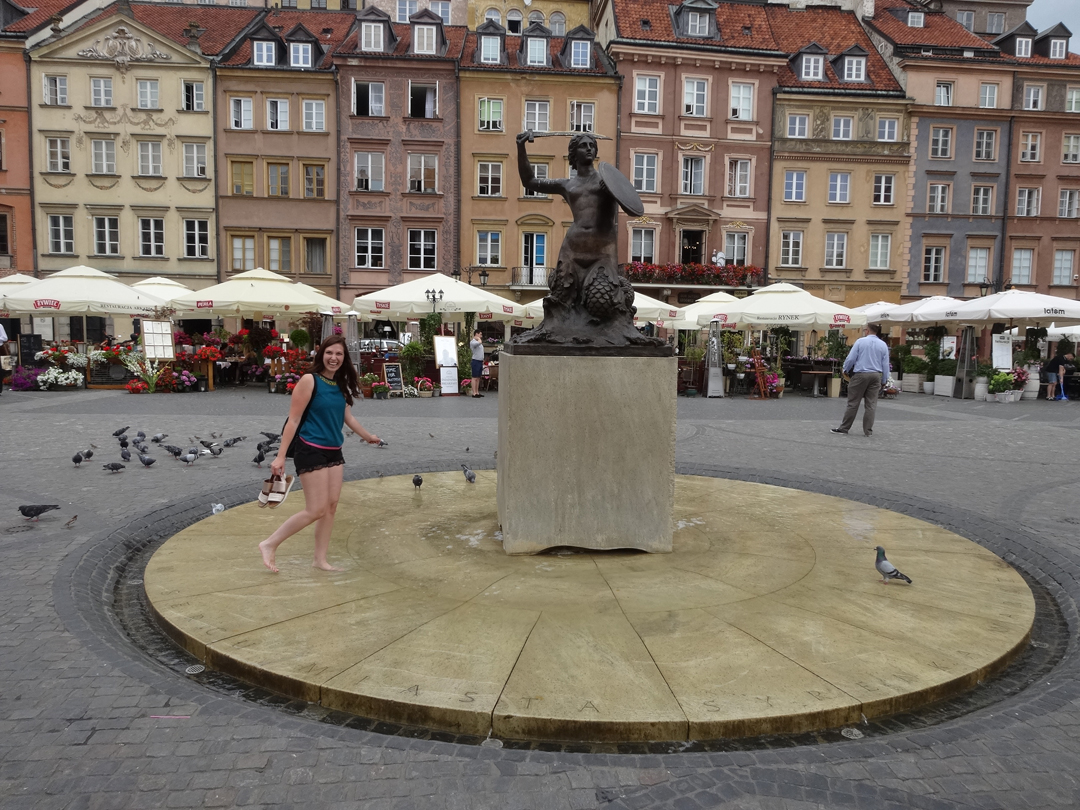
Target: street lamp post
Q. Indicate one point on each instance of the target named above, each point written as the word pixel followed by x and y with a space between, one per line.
pixel 434 298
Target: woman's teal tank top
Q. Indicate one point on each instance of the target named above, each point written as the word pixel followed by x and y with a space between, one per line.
pixel 325 417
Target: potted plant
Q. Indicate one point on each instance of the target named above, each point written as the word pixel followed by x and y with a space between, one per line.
pixel 1021 378
pixel 424 386
pixel 381 390
pixel 914 374
pixel 834 384
pixel 366 381
pixel 740 369
pixel 465 386
pixel 945 375
pixel 299 338
pixel 983 372
pixel 436 390
pixel 999 387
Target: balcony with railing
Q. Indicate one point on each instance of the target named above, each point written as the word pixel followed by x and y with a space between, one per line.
pixel 535 276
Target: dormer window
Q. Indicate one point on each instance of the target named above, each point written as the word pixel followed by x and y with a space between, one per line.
pixel 812 67
pixel 697 24
pixel 489 50
pixel 372 37
pixel 580 53
pixel 424 39
pixel 1023 47
pixel 916 19
pixel 264 53
pixel 1057 48
pixel 513 21
pixel 854 68
pixel 537 51
pixel 300 54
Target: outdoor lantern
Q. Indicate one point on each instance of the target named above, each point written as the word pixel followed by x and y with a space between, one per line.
pixel 202 385
pixel 984 287
pixel 483 278
pixel 456 274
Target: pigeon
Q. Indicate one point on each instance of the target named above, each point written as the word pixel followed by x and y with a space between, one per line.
pixel 88 454
pixel 142 448
pixel 381 443
pixel 125 454
pixel 77 459
pixel 887 569
pixel 189 458
pixel 259 459
pixel 217 508
pixel 33 511
pixel 432 435
pixel 120 432
pixel 92 447
pixel 466 449
pixel 193 451
pixel 208 445
pixel 470 476
pixel 417 481
pixel 71 522
pixel 140 435
pixel 158 438
pixel 123 438
pixel 234 440
pixel 146 460
pixel 113 466
pixel 216 451
pixel 174 451
pixel 273 437
pixel 124 443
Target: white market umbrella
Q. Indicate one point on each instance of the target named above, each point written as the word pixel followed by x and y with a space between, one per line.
pixel 925 310
pixel 649 310
pixel 410 300
pixel 784 305
pixel 1014 307
pixel 255 291
pixel 871 311
pixel 15 280
pixel 160 287
pixel 708 305
pixel 80 290
pixel 330 305
pixel 1054 333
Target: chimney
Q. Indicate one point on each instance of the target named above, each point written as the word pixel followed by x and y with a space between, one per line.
pixel 867 9
pixel 124 7
pixel 193 33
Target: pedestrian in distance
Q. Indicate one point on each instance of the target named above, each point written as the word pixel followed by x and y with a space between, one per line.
pixel 330 389
pixel 4 354
pixel 477 346
pixel 868 365
pixel 1055 374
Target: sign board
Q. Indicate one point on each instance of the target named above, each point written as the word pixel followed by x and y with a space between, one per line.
pixel 29 345
pixel 157 340
pixel 392 376
pixel 445 351
pixel 1002 356
pixel 44 327
pixel 948 347
pixel 448 379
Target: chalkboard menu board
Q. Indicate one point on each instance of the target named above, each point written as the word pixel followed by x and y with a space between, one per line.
pixel 29 345
pixel 392 375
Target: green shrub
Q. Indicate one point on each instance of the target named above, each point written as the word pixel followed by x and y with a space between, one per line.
pixel 1001 381
pixel 299 338
pixel 915 365
pixel 1065 346
pixel 411 356
pixel 946 368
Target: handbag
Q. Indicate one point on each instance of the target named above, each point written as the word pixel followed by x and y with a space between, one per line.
pixel 291 450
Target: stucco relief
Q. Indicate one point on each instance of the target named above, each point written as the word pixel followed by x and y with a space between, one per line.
pixel 143 120
pixel 821 122
pixel 121 48
pixel 866 124
pixel 883 149
pixel 367 205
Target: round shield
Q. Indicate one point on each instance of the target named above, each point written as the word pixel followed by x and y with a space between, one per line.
pixel 621 189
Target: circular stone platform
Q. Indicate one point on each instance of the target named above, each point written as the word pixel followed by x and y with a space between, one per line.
pixel 767 617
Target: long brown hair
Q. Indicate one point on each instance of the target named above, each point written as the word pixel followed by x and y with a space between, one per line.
pixel 346 375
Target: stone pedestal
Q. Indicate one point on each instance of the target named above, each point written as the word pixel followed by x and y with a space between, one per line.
pixel 586 452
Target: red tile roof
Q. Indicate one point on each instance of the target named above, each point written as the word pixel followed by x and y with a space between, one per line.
pixel 732 18
pixel 219 24
pixel 940 30
pixel 513 43
pixel 316 22
pixel 42 11
pixel 455 40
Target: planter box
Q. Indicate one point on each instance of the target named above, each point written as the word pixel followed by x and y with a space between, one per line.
pixel 928 387
pixel 981 384
pixel 943 386
pixel 833 386
pixel 912 383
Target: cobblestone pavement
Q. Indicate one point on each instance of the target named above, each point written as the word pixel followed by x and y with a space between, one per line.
pixel 89 721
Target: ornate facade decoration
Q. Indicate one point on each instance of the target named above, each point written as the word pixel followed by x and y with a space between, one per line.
pixel 122 48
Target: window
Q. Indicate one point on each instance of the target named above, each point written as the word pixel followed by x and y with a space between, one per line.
pixel 369 247
pixel 421 249
pixel 369 171
pixel 536 17
pixel 988 94
pixel 194 160
pixel 1033 97
pixel 645 172
pixel 943 94
pixel 107 236
pixel 582 115
pixel 243 253
pixel 916 19
pixel 536 51
pixel 985 144
pixel 1069 203
pixel 883 189
pixel 841 128
pixel 513 21
pixel 423 100
pixel 540 172
pixel 966 19
pixel 839 187
pixel 791 248
pixel 241 113
pixel 1027 202
pixel 693 175
pixel 422 173
pixel 1072 100
pixel 558 24
pixel 854 68
pixel 642 245
pixel 488 244
pixel 61 233
pixel 490 53
pixel 442 8
pixel 880 250
pixel 1030 143
pixel 697 24
pixel 372 37
pixel 940 142
pixel 694 97
pixel 151 236
pixel 798 125
pixel 1023 47
pixel 243 172
pixel 995 23
pixel 103 156
pixel 1057 49
pixel 150 158
pixel 493 15
pixel 314 116
pixel 194 97
pixel 196 239
pixel 580 53
pixel 742 101
pixel 1021 265
pixel 147 94
pixel 738 178
pixel 279 254
pixel 277 113
pixel 978 264
pixel 263 53
pixel 424 39
pixel 490 175
pixel 300 54
pixel 368 99
pixel 101 92
pixel 812 68
pixel 795 186
pixel 982 200
pixel 647 95
pixel 536 116
pixel 937 201
pixel 887 129
pixel 1063 267
pixel 735 247
pixel 933 270
pixel 278 174
pixel 55 93
pixel 1070 149
pixel 405 9
pixel 491 115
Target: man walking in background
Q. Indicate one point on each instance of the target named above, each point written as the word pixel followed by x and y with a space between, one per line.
pixel 868 365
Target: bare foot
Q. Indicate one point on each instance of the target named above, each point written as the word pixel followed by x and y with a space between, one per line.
pixel 325 566
pixel 268 557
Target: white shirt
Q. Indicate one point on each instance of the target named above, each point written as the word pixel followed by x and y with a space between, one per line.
pixel 3 334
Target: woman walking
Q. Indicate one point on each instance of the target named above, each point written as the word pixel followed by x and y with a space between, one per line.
pixel 330 390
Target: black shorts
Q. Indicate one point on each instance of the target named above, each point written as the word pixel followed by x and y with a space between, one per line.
pixel 308 459
pixel 477 369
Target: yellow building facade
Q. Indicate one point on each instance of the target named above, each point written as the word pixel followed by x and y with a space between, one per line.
pixel 559 16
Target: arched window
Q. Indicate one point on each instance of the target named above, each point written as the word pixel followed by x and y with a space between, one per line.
pixel 558 24
pixel 536 17
pixel 513 21
pixel 493 15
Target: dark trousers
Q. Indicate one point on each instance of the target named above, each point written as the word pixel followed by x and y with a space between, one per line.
pixel 864 387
